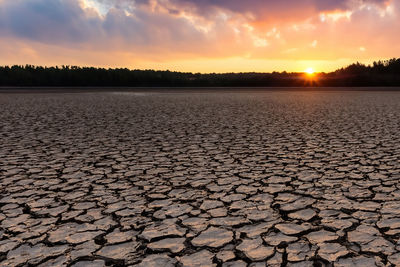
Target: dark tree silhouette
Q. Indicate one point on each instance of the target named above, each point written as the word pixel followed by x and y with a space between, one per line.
pixel 381 73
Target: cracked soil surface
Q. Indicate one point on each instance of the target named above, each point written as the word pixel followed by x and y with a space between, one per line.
pixel 200 179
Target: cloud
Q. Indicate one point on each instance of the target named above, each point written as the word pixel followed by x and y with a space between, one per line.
pixel 262 10
pixel 48 21
pixel 101 32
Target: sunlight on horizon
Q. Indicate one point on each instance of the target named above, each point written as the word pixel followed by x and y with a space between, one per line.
pixel 310 71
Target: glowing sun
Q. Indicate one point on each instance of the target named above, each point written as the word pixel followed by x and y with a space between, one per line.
pixel 309 71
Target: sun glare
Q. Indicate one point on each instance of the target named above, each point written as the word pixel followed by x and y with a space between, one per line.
pixel 309 71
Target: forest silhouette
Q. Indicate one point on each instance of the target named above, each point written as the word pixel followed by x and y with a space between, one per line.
pixel 380 73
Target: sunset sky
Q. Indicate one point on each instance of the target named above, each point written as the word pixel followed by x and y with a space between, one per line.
pixel 199 35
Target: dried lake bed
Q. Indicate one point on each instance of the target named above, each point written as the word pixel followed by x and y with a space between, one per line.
pixel 200 178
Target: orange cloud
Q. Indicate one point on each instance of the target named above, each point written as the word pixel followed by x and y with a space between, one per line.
pixel 220 35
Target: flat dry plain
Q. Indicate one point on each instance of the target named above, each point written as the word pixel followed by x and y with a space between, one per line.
pixel 244 178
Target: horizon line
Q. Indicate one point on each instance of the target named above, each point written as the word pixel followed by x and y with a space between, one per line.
pixel 193 72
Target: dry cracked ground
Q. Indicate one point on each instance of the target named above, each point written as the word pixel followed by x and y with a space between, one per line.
pixel 200 179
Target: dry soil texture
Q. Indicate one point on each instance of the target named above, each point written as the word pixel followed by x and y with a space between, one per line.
pixel 200 179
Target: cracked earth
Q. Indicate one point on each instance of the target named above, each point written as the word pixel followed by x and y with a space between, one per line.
pixel 200 179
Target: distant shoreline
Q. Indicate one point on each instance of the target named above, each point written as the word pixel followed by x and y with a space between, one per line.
pixel 382 74
pixel 43 89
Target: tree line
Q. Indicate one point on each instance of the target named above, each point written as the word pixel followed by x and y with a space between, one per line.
pixel 380 73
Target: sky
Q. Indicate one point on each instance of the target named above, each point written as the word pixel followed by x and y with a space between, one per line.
pixel 200 35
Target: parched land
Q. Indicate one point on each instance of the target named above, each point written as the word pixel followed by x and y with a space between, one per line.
pixel 200 179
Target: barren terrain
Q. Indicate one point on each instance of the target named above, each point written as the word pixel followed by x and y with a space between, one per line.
pixel 238 178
